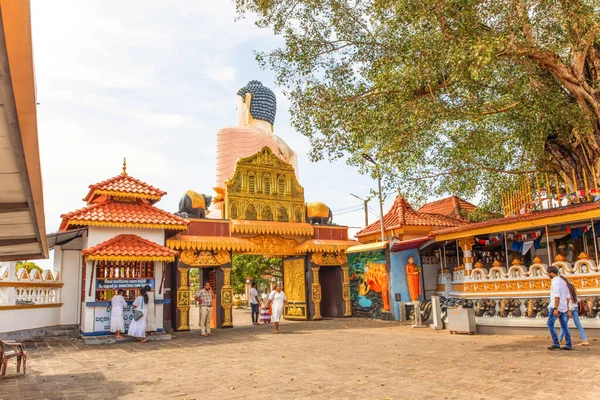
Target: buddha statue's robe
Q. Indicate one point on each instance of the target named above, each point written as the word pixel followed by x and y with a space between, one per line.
pixel 235 142
pixel 414 281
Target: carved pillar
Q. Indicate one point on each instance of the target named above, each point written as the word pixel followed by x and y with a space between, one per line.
pixel 316 293
pixel 466 244
pixel 346 291
pixel 227 298
pixel 183 300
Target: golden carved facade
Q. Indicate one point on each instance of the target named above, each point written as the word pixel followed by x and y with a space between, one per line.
pixel 316 292
pixel 329 258
pixel 199 258
pixel 183 299
pixel 264 188
pixel 294 286
pixel 227 298
pixel 273 245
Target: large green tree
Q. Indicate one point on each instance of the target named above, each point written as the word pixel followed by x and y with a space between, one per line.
pixel 253 267
pixel 450 96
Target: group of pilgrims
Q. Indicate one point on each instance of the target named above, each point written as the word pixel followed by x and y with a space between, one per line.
pixel 143 314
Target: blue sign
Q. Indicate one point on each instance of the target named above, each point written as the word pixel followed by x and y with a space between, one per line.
pixel 113 284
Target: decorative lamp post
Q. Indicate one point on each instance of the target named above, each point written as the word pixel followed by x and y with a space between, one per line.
pixel 370 159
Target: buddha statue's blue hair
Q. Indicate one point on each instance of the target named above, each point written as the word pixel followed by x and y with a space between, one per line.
pixel 263 105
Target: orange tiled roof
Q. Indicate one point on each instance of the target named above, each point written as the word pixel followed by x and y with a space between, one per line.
pixel 128 247
pixel 402 214
pixel 125 186
pixel 112 213
pixel 450 207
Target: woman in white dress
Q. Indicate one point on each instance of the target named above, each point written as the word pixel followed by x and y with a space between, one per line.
pixel 117 305
pixel 276 300
pixel 151 314
pixel 138 328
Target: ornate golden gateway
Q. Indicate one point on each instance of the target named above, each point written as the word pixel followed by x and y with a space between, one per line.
pixel 264 188
pixel 294 286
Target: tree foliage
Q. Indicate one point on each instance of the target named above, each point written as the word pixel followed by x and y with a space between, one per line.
pixel 253 267
pixel 28 265
pixel 450 96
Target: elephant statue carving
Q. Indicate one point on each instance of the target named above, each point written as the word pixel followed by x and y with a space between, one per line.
pixel 318 214
pixel 510 308
pixel 194 205
pixel 485 308
pixel 537 308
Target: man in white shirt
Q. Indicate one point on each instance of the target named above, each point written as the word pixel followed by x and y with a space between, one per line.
pixel 558 309
pixel 253 294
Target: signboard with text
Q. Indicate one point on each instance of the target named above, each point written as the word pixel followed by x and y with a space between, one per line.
pixel 102 318
pixel 114 284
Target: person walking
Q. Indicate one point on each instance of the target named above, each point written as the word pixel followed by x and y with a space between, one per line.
pixel 254 301
pixel 204 297
pixel 573 312
pixel 277 300
pixel 558 307
pixel 117 305
pixel 265 312
pixel 137 328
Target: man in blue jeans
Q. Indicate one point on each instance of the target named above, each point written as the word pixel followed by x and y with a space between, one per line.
pixel 558 307
pixel 253 294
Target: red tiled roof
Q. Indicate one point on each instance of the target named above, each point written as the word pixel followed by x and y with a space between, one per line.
pixel 401 214
pixel 555 212
pixel 125 186
pixel 450 207
pixel 130 247
pixel 112 213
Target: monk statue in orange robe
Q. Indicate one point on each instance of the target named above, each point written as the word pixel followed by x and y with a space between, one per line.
pixel 413 276
pixel 256 108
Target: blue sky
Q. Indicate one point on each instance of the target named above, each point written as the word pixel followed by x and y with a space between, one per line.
pixel 154 81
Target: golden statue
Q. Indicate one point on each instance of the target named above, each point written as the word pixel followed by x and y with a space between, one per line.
pixel 256 108
pixel 413 277
pixel 375 278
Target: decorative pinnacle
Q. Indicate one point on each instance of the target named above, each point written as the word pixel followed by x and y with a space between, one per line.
pixel 124 172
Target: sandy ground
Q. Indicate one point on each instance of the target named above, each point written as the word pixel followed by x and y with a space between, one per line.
pixel 332 359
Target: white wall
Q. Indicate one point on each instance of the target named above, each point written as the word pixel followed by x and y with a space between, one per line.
pixel 97 235
pixel 71 278
pixel 16 320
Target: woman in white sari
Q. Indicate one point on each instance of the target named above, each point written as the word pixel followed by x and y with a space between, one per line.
pixel 277 300
pixel 138 328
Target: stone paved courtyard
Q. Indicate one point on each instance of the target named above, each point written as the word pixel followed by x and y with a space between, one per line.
pixel 343 358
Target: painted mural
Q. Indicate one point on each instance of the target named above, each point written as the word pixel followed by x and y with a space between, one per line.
pixel 369 285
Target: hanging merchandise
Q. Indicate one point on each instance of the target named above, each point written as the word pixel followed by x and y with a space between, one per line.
pixel 537 242
pixel 517 246
pixel 526 247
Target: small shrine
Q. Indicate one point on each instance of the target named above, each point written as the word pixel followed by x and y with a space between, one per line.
pixel 120 245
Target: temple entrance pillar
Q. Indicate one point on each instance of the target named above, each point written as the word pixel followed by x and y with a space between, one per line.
pixel 330 286
pixel 182 313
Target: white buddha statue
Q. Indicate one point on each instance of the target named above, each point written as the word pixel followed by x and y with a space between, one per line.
pixel 256 108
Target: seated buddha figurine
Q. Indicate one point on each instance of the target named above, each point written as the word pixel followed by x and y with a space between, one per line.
pixel 256 108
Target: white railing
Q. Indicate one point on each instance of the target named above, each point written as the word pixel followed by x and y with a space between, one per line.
pixel 19 287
